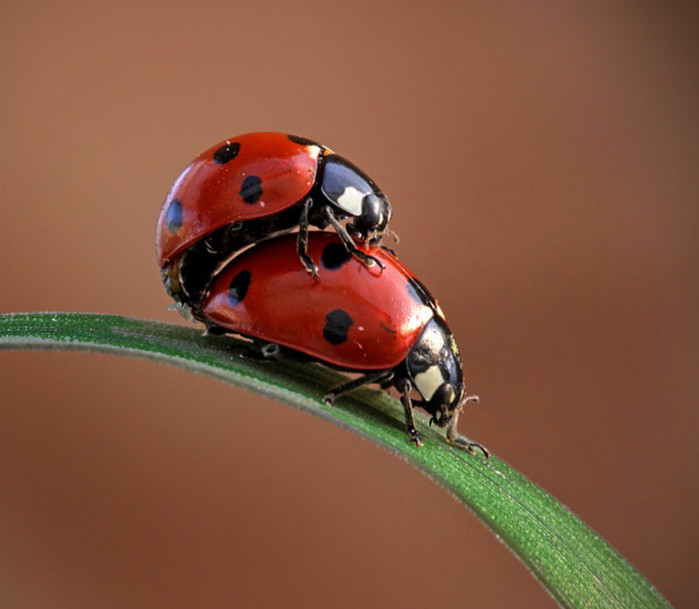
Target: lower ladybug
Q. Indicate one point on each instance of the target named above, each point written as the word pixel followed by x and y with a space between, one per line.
pixel 380 322
pixel 252 186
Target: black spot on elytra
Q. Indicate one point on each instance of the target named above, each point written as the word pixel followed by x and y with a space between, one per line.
pixel 173 216
pixel 251 190
pixel 337 324
pixel 226 153
pixel 303 141
pixel 334 256
pixel 238 288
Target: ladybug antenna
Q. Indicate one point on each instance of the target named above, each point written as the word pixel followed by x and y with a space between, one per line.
pixel 393 236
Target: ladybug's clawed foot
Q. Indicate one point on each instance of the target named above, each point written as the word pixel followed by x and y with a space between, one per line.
pixel 471 447
pixel 367 259
pixel 270 351
pixel 329 398
pixel 375 260
pixel 308 264
pixel 404 386
pixel 267 353
pixel 415 437
pixel 454 437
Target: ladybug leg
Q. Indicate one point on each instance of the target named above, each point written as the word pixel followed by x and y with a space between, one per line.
pixel 456 438
pixel 404 386
pixel 387 384
pixel 302 241
pixel 348 241
pixel 379 376
pixel 268 352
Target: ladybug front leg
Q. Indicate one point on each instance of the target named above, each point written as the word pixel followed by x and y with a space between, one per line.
pixel 377 376
pixel 404 386
pixel 456 438
pixel 302 240
pixel 340 229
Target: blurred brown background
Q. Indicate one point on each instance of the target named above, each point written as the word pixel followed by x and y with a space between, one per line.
pixel 542 164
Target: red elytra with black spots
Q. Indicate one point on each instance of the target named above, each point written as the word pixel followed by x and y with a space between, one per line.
pixel 352 316
pixel 246 177
pixel 249 187
pixel 380 322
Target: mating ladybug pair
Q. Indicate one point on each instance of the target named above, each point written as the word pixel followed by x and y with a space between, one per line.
pixel 337 297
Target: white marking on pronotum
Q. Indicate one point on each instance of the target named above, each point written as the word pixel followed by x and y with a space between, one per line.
pixel 351 200
pixel 429 381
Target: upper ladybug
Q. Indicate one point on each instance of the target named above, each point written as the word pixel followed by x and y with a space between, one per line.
pixel 252 186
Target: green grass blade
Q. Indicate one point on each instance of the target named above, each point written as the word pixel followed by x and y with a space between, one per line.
pixel 577 566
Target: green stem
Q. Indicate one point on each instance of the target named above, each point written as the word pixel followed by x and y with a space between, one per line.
pixel 577 566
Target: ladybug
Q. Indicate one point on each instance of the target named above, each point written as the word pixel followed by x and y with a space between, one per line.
pixel 381 323
pixel 252 186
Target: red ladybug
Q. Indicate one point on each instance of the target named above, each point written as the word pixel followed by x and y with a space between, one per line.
pixel 380 322
pixel 250 187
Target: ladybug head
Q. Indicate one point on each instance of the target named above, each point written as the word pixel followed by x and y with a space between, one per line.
pixel 371 224
pixel 434 368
